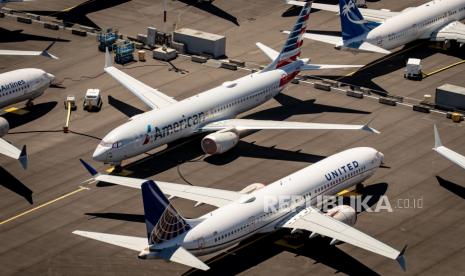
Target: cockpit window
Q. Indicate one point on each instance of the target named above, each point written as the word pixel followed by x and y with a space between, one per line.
pixel 105 144
pixel 117 145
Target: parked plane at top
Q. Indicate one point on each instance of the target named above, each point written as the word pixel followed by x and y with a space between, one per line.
pixel 446 152
pixel 17 86
pixel 288 203
pixel 383 30
pixel 213 110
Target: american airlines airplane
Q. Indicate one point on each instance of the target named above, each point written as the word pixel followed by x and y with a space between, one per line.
pixel 213 110
pixel 446 152
pixel 290 203
pixel 383 30
pixel 17 86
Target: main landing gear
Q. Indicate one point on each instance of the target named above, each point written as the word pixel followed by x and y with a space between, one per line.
pixel 29 104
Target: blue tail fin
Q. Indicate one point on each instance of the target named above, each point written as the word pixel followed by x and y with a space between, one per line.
pixel 163 222
pixel 352 22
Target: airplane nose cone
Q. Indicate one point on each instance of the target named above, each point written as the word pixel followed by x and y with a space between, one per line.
pixel 380 156
pixel 100 154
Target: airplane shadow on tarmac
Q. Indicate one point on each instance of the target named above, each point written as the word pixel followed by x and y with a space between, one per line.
pixel 212 9
pixel 188 149
pixel 365 76
pixel 33 113
pixel 452 187
pixel 10 182
pixel 19 36
pixel 78 14
pixel 7 180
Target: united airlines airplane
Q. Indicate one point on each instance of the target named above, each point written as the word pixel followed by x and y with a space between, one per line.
pixel 383 30
pixel 213 110
pixel 446 152
pixel 290 203
pixel 17 86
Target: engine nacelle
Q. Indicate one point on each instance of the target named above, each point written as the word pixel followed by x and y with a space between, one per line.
pixel 343 213
pixel 4 126
pixel 252 187
pixel 219 142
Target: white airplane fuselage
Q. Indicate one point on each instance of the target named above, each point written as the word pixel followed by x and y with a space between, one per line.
pixel 416 23
pixel 249 215
pixel 182 119
pixel 23 84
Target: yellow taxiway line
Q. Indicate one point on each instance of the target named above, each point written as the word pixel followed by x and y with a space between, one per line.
pixel 443 68
pixel 43 205
pixel 381 60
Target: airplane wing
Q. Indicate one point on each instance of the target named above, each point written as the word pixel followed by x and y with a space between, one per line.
pixel 446 152
pixel 247 124
pixel 43 53
pixel 211 196
pixel 150 96
pixel 313 220
pixel 13 152
pixel 173 254
pixel 452 31
pixel 368 14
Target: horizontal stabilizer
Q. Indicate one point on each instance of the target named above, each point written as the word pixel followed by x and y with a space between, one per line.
pixel 128 242
pixel 182 256
pixel 272 54
pixel 365 46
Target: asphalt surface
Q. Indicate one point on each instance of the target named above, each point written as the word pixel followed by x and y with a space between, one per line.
pixel 426 191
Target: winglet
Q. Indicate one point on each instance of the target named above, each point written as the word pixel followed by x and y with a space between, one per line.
pixel 23 159
pixel 45 52
pixel 89 168
pixel 437 139
pixel 108 62
pixel 401 260
pixel 367 127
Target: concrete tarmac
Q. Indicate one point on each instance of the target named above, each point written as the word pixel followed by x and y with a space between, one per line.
pixel 426 192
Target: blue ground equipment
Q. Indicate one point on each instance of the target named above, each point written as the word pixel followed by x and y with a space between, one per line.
pixel 124 52
pixel 107 39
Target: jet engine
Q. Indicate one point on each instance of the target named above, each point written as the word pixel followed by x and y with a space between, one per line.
pixel 4 126
pixel 251 188
pixel 219 142
pixel 343 213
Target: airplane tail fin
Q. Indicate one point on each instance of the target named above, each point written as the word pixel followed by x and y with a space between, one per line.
pixel 162 220
pixel 291 50
pixel 353 24
pixel 23 159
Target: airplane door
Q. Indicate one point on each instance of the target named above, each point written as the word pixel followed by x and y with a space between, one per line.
pixel 201 243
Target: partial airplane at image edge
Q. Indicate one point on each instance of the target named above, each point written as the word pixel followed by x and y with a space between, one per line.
pixel 43 53
pixel 17 86
pixel 383 30
pixel 214 110
pixel 242 214
pixel 446 152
